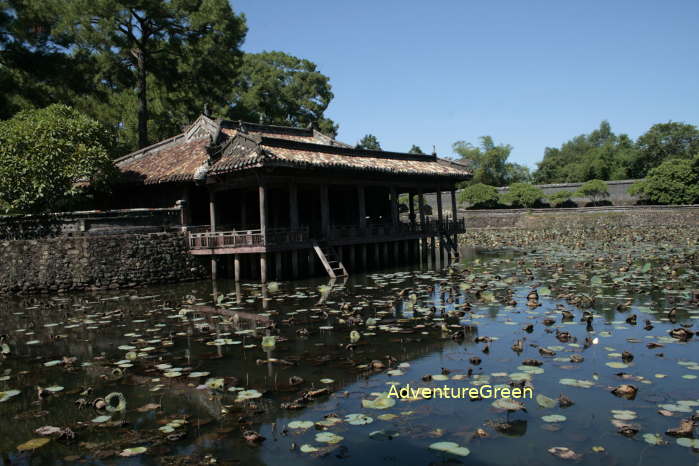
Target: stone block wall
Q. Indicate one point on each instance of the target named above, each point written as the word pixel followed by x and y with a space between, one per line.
pixel 76 263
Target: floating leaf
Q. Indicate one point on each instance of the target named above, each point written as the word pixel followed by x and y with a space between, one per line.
pixel 358 419
pixel 300 425
pixel 328 437
pixel 545 401
pixel 133 451
pixel 450 447
pixel 553 418
pixel 381 401
pixel 33 444
pixel 654 439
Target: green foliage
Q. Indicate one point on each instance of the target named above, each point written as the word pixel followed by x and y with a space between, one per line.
pixel 277 88
pixel 45 154
pixel 522 195
pixel 665 141
pixel 415 150
pixel 560 197
pixel 594 189
pixel 672 182
pixel 479 196
pixel 369 142
pixel 489 163
pixel 598 155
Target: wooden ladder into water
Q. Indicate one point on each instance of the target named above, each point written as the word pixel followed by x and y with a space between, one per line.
pixel 330 260
pixel 452 248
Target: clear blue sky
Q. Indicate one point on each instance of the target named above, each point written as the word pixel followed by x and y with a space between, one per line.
pixel 529 73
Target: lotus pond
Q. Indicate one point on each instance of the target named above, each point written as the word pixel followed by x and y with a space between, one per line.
pixel 599 324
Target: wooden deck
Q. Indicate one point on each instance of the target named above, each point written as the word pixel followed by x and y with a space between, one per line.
pixel 251 241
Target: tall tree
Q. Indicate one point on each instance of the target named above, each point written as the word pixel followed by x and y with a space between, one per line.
pixel 178 48
pixel 489 162
pixel 665 141
pixel 598 155
pixel 277 88
pixel 370 142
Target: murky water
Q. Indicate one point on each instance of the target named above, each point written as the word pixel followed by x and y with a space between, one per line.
pixel 193 354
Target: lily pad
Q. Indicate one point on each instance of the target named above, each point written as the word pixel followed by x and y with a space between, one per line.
pixel 450 447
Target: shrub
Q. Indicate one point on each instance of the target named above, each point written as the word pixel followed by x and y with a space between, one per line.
pixel 560 198
pixel 48 156
pixel 479 196
pixel 672 182
pixel 523 195
pixel 594 189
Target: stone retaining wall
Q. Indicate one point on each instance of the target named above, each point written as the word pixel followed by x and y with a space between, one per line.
pixel 74 263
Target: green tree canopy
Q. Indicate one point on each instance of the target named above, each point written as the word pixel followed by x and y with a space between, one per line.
pixel 489 162
pixel 674 181
pixel 46 154
pixel 479 196
pixel 415 150
pixel 173 55
pixel 560 198
pixel 369 142
pixel 665 141
pixel 523 195
pixel 600 154
pixel 277 88
pixel 594 189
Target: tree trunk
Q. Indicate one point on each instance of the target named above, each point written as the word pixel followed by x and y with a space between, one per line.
pixel 142 98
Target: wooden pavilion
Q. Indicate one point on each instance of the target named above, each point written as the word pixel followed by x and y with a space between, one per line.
pixel 254 195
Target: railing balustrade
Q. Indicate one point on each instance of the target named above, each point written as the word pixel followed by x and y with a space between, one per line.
pixel 200 238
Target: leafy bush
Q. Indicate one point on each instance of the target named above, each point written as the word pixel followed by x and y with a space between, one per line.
pixel 594 189
pixel 560 198
pixel 672 182
pixel 48 156
pixel 479 196
pixel 523 195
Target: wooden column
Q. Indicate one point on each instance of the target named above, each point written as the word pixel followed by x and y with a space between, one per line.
pixel 278 257
pixel 411 207
pixel 455 217
pixel 362 209
pixel 262 192
pixel 311 262
pixel 244 210
pixel 294 223
pixel 352 256
pixel 396 253
pixel 212 229
pixel 377 254
pixel 236 267
pixel 406 251
pixel 421 211
pixel 363 254
pixel 324 211
pixel 185 207
pixel 440 219
pixel 394 207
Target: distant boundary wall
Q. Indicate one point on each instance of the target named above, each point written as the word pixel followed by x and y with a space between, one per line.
pixel 582 217
pixel 618 194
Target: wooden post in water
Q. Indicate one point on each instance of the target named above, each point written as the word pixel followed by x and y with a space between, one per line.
pixel 406 251
pixel 396 252
pixel 311 262
pixel 352 256
pixel 362 251
pixel 411 207
pixel 377 253
pixel 236 267
pixel 394 209
pixel 263 267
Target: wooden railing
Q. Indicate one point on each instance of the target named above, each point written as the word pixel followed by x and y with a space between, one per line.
pixel 243 238
pixel 201 238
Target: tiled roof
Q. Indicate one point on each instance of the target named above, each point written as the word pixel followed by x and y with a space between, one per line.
pixel 238 146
